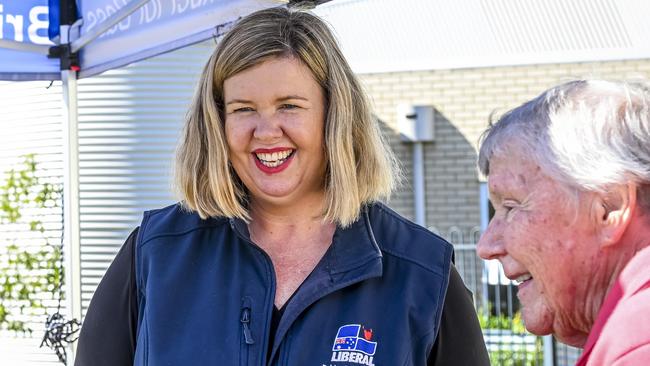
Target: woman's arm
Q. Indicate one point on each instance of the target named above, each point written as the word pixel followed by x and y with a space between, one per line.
pixel 460 340
pixel 109 329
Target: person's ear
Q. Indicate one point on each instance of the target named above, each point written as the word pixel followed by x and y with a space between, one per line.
pixel 613 211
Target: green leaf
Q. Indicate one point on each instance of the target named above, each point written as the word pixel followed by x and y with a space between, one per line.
pixel 28 277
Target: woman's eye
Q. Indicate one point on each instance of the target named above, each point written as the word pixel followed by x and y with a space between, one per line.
pixel 288 106
pixel 243 109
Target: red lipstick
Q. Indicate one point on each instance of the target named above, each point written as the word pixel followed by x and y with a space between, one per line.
pixel 276 169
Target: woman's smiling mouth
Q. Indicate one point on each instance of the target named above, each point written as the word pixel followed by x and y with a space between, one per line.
pixel 273 160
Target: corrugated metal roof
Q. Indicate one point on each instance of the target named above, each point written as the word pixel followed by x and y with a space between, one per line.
pixel 396 35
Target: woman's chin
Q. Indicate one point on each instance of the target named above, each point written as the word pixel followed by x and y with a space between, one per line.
pixel 273 192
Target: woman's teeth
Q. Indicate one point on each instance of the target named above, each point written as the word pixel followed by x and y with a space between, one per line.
pixel 274 159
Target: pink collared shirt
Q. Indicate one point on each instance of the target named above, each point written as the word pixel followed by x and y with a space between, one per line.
pixel 621 334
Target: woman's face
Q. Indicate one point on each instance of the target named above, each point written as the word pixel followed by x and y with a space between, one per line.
pixel 275 116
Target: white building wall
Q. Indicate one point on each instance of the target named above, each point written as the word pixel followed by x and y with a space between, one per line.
pixel 30 121
pixel 129 123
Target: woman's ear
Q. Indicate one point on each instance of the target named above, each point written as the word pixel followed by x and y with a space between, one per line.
pixel 613 210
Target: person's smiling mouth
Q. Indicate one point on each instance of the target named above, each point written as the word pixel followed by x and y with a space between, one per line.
pixel 522 279
pixel 273 159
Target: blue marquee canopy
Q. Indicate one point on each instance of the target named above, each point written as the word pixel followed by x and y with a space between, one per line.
pixel 105 34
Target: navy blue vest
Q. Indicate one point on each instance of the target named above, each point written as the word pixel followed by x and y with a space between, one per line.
pixel 206 294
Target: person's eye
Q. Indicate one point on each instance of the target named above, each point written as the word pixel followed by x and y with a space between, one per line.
pixel 508 205
pixel 288 106
pixel 242 109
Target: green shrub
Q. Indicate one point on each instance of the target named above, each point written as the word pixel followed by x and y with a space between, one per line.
pixel 510 354
pixel 514 324
pixel 29 275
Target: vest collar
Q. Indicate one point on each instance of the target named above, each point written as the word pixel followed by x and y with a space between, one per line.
pixel 352 247
pixel 353 257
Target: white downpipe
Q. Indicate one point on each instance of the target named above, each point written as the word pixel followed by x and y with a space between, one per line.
pixel 485 206
pixel 71 239
pixel 419 199
pixel 485 219
pixel 549 357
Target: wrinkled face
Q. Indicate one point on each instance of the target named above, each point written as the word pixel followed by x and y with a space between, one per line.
pixel 543 236
pixel 275 115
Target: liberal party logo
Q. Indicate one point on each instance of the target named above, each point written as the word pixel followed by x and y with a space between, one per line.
pixel 354 344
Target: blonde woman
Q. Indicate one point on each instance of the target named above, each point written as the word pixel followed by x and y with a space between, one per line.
pixel 280 252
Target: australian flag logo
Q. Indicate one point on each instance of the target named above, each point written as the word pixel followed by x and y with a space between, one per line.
pixel 351 338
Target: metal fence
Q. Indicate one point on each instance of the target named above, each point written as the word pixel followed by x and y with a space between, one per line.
pixel 498 309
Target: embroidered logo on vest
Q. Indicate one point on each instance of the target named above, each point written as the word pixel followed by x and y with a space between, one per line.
pixel 353 344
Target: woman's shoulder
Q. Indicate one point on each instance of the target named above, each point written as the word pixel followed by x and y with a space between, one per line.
pixel 402 238
pixel 174 219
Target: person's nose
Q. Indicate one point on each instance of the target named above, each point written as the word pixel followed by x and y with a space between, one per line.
pixel 491 244
pixel 268 127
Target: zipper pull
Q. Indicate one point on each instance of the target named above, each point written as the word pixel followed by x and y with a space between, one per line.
pixel 245 321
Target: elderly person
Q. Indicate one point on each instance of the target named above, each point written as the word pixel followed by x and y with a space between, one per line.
pixel 280 253
pixel 569 178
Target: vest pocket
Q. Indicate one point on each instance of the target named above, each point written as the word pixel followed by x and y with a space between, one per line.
pixel 246 334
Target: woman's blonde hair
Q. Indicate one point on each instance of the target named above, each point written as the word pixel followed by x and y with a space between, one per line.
pixel 361 167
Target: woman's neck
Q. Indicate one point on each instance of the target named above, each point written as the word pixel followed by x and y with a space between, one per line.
pixel 298 228
pixel 295 241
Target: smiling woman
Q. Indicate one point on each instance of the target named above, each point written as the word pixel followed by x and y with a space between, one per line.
pixel 280 252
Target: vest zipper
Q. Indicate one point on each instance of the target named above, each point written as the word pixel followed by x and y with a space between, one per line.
pixel 245 321
pixel 247 336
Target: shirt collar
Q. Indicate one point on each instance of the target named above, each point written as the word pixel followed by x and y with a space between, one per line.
pixel 634 276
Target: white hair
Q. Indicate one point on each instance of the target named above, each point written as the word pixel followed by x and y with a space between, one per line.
pixel 589 134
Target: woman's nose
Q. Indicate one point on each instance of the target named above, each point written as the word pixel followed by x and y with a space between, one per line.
pixel 268 128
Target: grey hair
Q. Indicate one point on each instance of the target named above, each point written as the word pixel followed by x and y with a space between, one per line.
pixel 588 134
